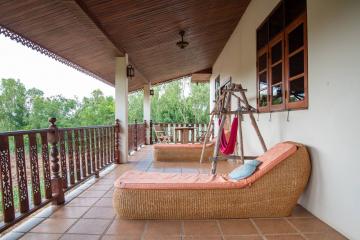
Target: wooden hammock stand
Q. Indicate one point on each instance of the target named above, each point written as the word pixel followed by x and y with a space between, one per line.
pixel 221 109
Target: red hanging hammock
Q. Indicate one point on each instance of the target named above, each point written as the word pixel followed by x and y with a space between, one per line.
pixel 228 147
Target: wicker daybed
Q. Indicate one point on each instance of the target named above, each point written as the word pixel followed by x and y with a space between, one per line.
pixel 272 191
pixel 181 152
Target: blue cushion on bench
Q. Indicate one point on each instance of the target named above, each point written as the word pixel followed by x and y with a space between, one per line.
pixel 245 170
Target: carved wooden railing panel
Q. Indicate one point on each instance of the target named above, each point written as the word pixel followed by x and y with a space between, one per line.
pixel 26 179
pixel 46 165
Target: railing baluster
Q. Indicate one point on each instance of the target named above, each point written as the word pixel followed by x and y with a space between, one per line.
pixel 34 167
pixel 116 138
pixel 108 145
pixel 63 158
pixel 105 146
pixel 112 132
pixel 83 156
pixel 21 173
pixel 56 181
pixel 151 130
pixel 46 165
pixel 6 181
pixel 77 155
pixel 101 137
pixel 71 157
pixel 136 135
pixel 93 150
pixel 88 151
pixel 97 149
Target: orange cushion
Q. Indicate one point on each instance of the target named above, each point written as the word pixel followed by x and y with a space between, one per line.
pixel 181 146
pixel 153 180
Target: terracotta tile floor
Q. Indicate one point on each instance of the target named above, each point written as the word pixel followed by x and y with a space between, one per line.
pixel 90 215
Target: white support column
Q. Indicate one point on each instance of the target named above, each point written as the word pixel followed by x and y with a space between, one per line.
pixel 147 109
pixel 121 104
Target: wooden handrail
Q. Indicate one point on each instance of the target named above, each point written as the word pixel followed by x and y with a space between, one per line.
pixel 75 154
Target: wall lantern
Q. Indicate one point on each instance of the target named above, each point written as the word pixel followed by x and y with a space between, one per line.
pixel 182 44
pixel 130 72
pixel 152 92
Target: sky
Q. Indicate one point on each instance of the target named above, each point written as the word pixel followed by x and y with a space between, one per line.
pixel 52 77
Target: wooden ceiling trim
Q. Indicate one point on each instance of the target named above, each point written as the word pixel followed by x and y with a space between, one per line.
pixel 30 44
pixel 51 25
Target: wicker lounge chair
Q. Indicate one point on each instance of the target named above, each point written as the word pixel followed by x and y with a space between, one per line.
pixel 272 191
pixel 181 152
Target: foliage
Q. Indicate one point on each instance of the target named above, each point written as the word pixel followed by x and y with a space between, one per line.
pixel 96 110
pixel 136 106
pixel 13 111
pixel 174 102
pixel 21 109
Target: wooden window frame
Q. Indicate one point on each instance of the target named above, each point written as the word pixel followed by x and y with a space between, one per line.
pixel 262 51
pixel 304 103
pixel 283 36
pixel 278 107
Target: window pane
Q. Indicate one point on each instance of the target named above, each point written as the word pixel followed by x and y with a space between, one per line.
pixel 296 64
pixel 276 74
pixel 276 52
pixel 263 98
pixel 262 62
pixel 262 36
pixel 277 94
pixel 296 38
pixel 263 81
pixel 276 21
pixel 297 90
pixel 293 9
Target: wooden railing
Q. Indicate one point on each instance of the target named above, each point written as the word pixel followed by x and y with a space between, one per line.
pixel 28 183
pixel 136 135
pixel 169 128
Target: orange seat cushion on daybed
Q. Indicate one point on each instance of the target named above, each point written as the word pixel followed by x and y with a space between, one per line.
pixel 181 146
pixel 152 180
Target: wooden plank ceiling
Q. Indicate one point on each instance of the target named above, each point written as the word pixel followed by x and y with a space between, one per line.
pixel 91 33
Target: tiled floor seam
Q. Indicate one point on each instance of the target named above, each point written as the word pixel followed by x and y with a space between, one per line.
pixel 144 230
pixel 296 229
pixel 107 228
pixel 220 229
pixel 257 229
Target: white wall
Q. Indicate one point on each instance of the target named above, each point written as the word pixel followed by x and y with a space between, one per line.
pixel 331 125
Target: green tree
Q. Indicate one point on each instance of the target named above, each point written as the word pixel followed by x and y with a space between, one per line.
pixel 30 109
pixel 13 109
pixel 136 107
pixel 96 110
pixel 169 103
pixel 41 108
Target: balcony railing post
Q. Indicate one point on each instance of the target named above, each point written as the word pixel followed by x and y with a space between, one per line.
pixel 117 144
pixel 145 132
pixel 136 135
pixel 56 181
pixel 151 126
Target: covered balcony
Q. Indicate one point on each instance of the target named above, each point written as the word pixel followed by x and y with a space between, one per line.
pixel 292 59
